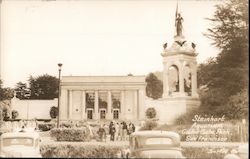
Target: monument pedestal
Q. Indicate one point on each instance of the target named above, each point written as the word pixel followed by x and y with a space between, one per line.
pixel 170 108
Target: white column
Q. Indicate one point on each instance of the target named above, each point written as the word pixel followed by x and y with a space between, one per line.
pixel 70 103
pixel 165 82
pixel 181 81
pixel 109 113
pixel 135 105
pixel 141 104
pixel 194 83
pixel 83 105
pixel 123 106
pixel 64 104
pixel 96 116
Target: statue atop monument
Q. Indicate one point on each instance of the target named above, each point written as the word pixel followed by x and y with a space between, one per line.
pixel 178 22
pixel 178 25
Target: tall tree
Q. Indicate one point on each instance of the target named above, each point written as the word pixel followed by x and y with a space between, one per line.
pixel 22 91
pixel 226 76
pixel 230 35
pixel 5 93
pixel 154 87
pixel 43 87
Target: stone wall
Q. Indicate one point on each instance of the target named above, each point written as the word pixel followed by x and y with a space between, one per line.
pixel 30 109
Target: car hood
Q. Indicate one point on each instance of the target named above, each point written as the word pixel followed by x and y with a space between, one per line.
pixel 20 151
pixel 160 154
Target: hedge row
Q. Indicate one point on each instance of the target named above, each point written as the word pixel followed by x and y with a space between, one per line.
pixel 46 126
pixel 81 150
pixel 70 134
pixel 206 152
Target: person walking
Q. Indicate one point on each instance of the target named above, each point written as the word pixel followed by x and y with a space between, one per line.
pixel 130 129
pixel 106 128
pixel 117 131
pixel 112 132
pixel 124 131
pixel 120 130
pixel 101 133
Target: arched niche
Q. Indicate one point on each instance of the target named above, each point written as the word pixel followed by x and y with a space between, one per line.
pixel 187 76
pixel 173 79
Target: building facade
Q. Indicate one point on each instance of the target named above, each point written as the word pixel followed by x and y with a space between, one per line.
pixel 102 98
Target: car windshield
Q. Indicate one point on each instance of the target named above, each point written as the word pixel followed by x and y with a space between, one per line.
pixel 154 141
pixel 18 141
pixel 146 142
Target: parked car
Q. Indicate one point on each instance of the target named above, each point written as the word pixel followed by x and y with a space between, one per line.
pixel 20 144
pixel 154 144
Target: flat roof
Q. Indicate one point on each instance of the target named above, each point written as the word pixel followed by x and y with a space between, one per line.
pixel 104 79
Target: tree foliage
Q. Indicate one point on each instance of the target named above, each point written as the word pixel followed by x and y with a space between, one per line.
pixel 53 112
pixel 154 87
pixel 151 113
pixel 5 93
pixel 43 87
pixel 14 114
pixel 226 76
pixel 22 91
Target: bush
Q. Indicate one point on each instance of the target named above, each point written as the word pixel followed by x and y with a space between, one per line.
pixel 151 113
pixel 53 112
pixel 80 150
pixel 149 125
pixel 14 114
pixel 46 126
pixel 206 152
pixel 66 124
pixel 70 134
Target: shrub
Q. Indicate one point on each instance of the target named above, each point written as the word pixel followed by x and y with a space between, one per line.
pixel 14 114
pixel 70 134
pixel 81 150
pixel 151 113
pixel 5 114
pixel 53 112
pixel 213 152
pixel 149 125
pixel 46 126
pixel 66 124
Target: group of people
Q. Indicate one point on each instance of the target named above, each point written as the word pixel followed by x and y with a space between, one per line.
pixel 118 131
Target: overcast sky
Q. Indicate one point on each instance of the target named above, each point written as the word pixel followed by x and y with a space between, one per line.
pixel 95 37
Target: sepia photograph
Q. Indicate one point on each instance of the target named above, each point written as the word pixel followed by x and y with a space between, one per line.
pixel 124 79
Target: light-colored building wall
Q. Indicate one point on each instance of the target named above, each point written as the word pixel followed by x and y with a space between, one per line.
pixel 30 109
pixel 74 89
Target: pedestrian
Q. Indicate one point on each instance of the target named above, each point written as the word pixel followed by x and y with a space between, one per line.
pixel 130 129
pixel 101 133
pixel 124 130
pixel 117 131
pixel 133 127
pixel 120 130
pixel 106 128
pixel 112 132
pixel 110 127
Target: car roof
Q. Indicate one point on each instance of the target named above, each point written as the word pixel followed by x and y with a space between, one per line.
pixel 20 134
pixel 156 133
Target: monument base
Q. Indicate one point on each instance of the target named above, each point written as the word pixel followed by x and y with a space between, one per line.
pixel 170 108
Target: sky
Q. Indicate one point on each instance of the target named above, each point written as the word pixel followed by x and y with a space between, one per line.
pixel 96 37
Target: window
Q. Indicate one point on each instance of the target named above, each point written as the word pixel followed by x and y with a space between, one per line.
pixel 90 114
pixel 153 141
pixel 116 114
pixel 102 114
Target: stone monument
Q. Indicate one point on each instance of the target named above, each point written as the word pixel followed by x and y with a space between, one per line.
pixel 179 76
